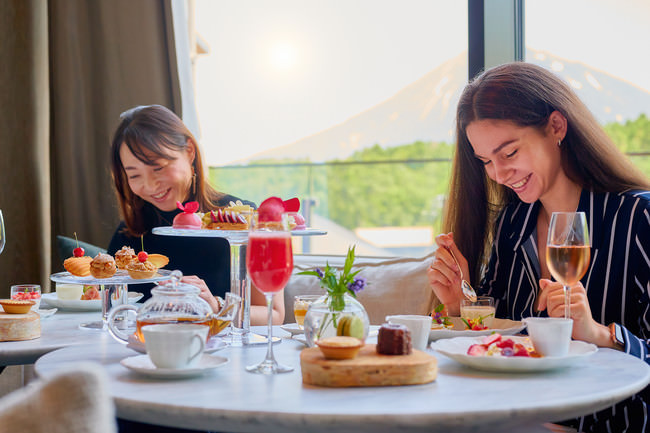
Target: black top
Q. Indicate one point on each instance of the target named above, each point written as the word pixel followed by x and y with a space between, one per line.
pixel 617 281
pixel 207 258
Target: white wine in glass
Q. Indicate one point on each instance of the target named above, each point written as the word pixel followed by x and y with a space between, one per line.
pixel 568 251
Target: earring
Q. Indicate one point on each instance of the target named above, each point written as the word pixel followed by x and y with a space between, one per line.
pixel 559 143
pixel 193 183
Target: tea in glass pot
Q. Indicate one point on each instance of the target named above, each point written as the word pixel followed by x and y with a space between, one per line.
pixel 174 302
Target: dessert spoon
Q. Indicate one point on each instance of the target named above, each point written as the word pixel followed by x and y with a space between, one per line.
pixel 468 291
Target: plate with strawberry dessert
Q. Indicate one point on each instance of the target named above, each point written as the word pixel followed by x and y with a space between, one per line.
pixel 82 304
pixel 508 353
pixel 457 328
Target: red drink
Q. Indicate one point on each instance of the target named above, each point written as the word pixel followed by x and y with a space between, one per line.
pixel 269 260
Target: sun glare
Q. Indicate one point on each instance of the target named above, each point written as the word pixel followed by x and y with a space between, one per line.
pixel 283 56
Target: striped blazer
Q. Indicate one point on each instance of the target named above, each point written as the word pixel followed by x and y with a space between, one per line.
pixel 617 281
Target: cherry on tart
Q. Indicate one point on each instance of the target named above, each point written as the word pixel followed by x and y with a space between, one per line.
pixel 78 265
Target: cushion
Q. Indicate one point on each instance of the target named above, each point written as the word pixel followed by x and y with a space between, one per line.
pixel 74 400
pixel 65 245
pixel 393 285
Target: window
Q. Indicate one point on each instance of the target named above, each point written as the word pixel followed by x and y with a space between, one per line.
pixel 599 47
pixel 348 105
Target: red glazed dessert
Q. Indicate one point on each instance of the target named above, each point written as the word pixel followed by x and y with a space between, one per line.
pixel 188 219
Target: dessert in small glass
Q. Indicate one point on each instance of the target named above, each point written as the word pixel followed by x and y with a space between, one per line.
pixel 27 292
pixel 482 311
pixel 301 305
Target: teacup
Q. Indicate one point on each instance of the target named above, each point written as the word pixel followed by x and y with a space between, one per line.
pixel 418 325
pixel 551 336
pixel 175 345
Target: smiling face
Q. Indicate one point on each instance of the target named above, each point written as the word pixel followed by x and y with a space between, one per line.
pixel 524 159
pixel 164 182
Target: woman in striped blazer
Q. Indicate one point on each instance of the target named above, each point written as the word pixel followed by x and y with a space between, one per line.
pixel 528 147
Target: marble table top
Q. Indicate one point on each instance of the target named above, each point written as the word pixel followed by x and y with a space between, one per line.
pixel 460 399
pixel 57 331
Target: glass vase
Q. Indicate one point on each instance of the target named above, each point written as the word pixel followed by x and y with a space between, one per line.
pixel 322 322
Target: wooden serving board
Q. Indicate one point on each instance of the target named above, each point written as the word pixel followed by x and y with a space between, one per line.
pixel 17 327
pixel 368 368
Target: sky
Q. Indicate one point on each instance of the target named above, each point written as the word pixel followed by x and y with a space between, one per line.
pixel 281 70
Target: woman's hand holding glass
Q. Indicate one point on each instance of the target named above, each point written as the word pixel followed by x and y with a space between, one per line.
pixel 444 274
pixel 551 299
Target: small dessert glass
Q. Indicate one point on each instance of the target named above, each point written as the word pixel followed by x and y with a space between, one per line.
pixel 483 307
pixel 29 292
pixel 301 304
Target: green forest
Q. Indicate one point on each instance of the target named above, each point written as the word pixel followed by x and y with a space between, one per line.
pixel 377 187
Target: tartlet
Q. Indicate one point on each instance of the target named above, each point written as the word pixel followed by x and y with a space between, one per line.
pixel 125 256
pixel 103 266
pixel 141 270
pixel 339 347
pixel 16 306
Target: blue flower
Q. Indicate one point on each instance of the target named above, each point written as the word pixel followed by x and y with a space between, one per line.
pixel 357 285
pixel 320 273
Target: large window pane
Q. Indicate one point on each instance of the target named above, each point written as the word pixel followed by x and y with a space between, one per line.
pixel 348 105
pixel 600 48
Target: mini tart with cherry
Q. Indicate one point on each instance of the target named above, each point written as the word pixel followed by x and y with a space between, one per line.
pixel 103 266
pixel 141 268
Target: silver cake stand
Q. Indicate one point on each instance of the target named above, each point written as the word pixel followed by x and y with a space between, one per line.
pixel 113 290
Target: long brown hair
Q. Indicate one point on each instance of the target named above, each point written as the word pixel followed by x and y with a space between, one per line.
pixel 525 95
pixel 150 132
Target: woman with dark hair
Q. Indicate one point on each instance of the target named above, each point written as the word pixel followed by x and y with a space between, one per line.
pixel 528 147
pixel 156 162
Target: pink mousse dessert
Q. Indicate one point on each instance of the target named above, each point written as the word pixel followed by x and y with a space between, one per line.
pixel 188 219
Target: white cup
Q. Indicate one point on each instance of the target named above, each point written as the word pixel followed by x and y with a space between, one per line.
pixel 175 345
pixel 420 326
pixel 551 336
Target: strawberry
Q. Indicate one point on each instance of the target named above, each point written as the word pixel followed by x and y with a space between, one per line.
pixel 506 343
pixel 477 350
pixel 492 338
pixel 520 350
pixel 292 205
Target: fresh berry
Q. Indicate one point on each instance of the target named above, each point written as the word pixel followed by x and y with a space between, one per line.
pixel 292 205
pixel 78 252
pixel 477 350
pixel 142 256
pixel 189 207
pixel 505 343
pixel 492 338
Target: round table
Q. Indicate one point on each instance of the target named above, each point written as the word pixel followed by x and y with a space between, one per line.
pixel 460 399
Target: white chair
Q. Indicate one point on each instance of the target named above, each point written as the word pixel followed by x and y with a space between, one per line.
pixel 73 401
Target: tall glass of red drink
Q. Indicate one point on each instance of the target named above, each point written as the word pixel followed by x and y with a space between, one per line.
pixel 269 260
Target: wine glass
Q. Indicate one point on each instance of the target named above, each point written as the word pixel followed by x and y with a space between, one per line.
pixel 269 260
pixel 567 251
pixel 2 233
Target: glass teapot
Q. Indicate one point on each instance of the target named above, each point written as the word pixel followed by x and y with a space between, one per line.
pixel 174 302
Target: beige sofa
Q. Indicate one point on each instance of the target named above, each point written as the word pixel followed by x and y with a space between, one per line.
pixel 394 285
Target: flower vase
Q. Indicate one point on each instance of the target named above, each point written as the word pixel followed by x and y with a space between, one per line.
pixel 321 321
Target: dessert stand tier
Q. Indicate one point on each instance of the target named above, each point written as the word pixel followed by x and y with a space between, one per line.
pixel 239 282
pixel 114 290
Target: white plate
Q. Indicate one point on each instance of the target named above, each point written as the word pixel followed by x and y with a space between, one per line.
pixel 502 326
pixel 213 344
pixel 143 365
pixel 456 349
pixel 78 305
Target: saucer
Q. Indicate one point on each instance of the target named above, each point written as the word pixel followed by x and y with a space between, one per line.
pixel 292 328
pixel 46 312
pixel 211 346
pixel 143 365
